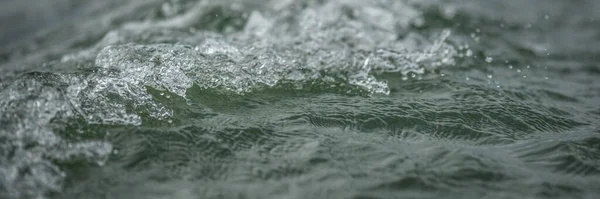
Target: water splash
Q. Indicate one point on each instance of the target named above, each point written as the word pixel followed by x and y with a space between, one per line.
pixel 104 76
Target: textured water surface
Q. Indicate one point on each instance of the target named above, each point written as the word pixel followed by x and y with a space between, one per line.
pixel 300 99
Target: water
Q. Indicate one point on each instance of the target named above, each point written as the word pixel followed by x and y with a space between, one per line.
pixel 300 99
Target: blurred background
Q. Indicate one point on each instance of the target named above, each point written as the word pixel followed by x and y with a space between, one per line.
pixel 21 18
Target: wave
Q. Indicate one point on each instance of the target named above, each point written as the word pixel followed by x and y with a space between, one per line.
pixel 118 73
pixel 223 98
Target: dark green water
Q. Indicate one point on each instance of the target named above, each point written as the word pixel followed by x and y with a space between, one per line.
pixel 300 99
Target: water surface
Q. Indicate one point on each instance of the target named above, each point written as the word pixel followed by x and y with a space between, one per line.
pixel 300 99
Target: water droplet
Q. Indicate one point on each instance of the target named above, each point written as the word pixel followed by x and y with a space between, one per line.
pixel 545 77
pixel 510 66
pixel 168 96
pixel 489 76
pixel 467 78
pixel 161 93
pixel 469 53
pixel 489 59
pixel 170 121
pixel 524 76
pixel 528 66
pixel 443 74
pixel 518 70
pixel 546 17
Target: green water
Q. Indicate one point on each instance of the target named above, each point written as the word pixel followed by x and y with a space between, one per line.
pixel 302 99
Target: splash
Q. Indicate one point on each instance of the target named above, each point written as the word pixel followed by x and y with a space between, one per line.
pixel 335 46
